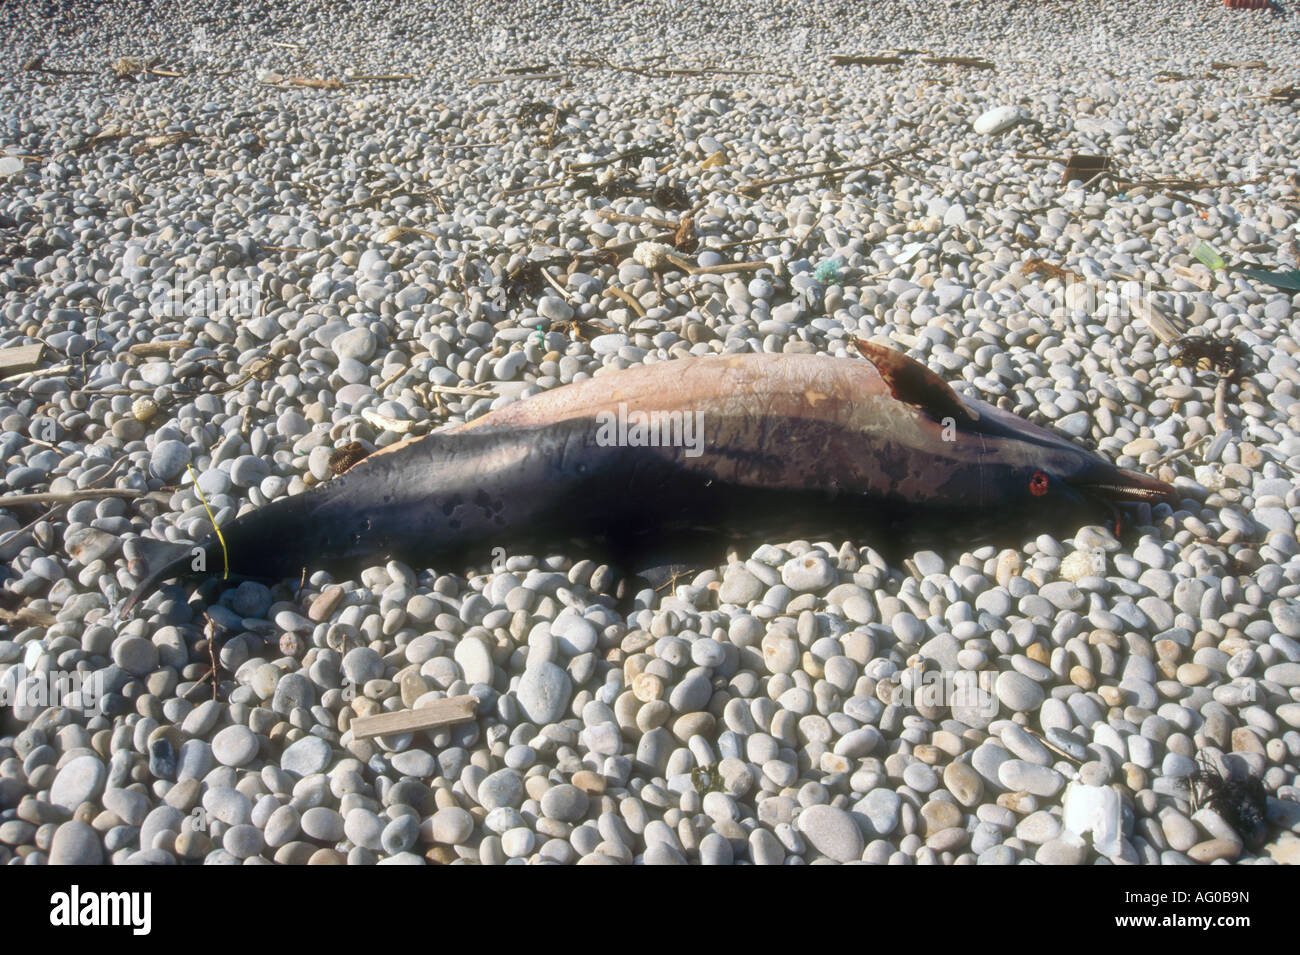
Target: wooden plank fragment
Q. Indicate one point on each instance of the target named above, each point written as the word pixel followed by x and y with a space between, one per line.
pixel 20 359
pixel 157 349
pixel 439 713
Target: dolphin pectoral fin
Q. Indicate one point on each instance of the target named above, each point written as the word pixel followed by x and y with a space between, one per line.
pixel 153 561
pixel 913 383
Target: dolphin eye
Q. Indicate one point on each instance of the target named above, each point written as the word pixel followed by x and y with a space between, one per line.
pixel 1038 484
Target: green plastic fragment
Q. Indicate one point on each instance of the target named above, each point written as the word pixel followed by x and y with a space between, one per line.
pixel 1284 280
pixel 1206 255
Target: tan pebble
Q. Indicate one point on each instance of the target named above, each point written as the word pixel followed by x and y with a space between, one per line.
pixel 949 743
pixel 626 708
pixel 553 828
pixel 886 691
pixel 593 784
pixel 536 786
pixel 1008 566
pixel 184 795
pixel 1111 695
pixel 441 855
pixel 1234 643
pixel 634 666
pixel 327 857
pixel 1036 577
pixel 1082 677
pixel 191 844
pixel 1286 851
pixel 1244 740
pixel 1019 803
pixel 811 665
pixel 1104 638
pixel 939 815
pixel 295 853
pixel 964 783
pixel 647 687
pixel 1167 650
pixel 693 724
pixel 413 686
pixel 948 840
pixel 1039 653
pixel 324 605
pixel 1193 674
pixel 1135 777
pixel 652 715
pixel 834 763
pixel 931 755
pixel 1214 849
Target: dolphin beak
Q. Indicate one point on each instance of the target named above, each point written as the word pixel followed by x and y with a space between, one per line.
pixel 1119 485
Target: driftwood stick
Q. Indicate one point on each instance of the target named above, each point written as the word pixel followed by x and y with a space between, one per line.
pixel 439 713
pixel 613 216
pixel 1174 455
pixel 42 373
pixel 628 298
pixel 759 184
pixel 476 391
pixel 555 285
pixel 1221 403
pixel 69 497
pixel 632 153
pixel 721 269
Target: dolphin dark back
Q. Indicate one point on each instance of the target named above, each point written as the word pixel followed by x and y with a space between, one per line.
pixel 774 445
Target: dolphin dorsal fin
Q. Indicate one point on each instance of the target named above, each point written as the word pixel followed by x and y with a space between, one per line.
pixel 913 383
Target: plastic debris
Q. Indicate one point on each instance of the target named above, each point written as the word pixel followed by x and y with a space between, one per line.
pixel 1096 810
pixel 1205 254
pixel 1084 168
pixel 1289 280
pixel 1283 280
pixel 827 272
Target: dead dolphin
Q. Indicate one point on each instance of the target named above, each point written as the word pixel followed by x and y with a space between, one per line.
pixel 714 448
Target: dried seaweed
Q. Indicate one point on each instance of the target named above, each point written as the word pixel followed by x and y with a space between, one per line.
pixel 1228 358
pixel 1037 266
pixel 1239 797
pixel 684 239
pixel 345 457
pixel 535 113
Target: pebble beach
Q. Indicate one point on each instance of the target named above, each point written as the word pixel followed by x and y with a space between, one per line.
pixel 248 237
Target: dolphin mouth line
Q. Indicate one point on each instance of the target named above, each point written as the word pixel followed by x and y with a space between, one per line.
pixel 1125 492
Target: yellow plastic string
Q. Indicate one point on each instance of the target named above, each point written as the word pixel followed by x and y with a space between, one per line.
pixel 225 556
